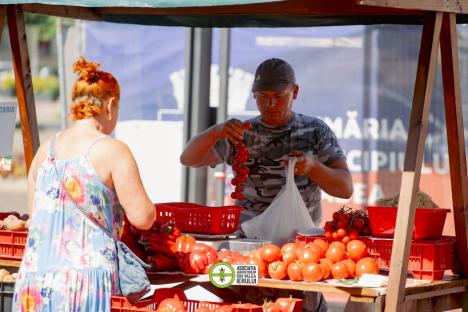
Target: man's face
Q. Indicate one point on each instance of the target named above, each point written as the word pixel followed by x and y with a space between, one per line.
pixel 275 107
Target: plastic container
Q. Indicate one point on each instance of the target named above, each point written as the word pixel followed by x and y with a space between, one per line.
pixel 428 222
pixel 121 304
pixel 194 218
pixel 428 259
pixel 6 296
pixel 241 245
pixel 12 244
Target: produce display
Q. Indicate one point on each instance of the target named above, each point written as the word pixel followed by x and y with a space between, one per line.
pixel 5 276
pixel 239 169
pixel 13 223
pixel 347 225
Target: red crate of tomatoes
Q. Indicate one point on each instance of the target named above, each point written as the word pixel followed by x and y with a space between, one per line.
pixel 176 300
pixel 194 218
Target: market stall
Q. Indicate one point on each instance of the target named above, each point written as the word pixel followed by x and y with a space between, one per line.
pixel 439 31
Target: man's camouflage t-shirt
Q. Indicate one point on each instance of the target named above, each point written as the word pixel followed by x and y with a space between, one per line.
pixel 268 148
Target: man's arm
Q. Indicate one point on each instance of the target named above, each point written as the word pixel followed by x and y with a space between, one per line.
pixel 199 150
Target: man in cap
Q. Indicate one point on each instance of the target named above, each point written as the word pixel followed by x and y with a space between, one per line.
pixel 276 134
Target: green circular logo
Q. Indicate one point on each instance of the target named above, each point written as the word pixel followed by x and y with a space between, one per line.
pixel 222 274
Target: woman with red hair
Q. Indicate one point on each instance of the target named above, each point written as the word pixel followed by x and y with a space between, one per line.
pixel 70 264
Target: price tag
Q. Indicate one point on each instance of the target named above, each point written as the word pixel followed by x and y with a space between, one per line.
pixel 7 131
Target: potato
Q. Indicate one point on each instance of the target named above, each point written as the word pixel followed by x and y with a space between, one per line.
pixel 9 278
pixel 15 225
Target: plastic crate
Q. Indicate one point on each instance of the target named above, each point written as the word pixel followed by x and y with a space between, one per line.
pixel 6 296
pixel 428 222
pixel 428 259
pixel 241 245
pixel 194 218
pixel 12 244
pixel 121 304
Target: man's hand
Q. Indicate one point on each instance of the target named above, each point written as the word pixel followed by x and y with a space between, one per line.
pixel 304 163
pixel 232 129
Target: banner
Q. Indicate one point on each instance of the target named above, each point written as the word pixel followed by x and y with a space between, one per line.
pixel 7 131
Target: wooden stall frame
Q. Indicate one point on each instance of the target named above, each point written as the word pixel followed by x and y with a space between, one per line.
pixel 439 24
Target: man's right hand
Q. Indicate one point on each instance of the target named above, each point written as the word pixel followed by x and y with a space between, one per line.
pixel 233 130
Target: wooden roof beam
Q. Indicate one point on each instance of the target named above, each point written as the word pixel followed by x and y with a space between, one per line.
pixel 450 6
pixel 62 11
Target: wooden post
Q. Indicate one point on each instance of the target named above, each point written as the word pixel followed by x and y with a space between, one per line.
pixel 455 135
pixel 413 160
pixel 24 88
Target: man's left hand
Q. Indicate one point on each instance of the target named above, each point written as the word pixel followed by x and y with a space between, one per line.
pixel 304 163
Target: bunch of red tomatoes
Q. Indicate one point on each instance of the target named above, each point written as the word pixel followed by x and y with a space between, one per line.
pixel 347 225
pixel 239 168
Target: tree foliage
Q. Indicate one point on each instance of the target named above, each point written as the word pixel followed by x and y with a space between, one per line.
pixel 45 24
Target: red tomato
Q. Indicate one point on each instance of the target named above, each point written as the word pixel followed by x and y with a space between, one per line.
pixel 351 267
pixel 340 270
pixel 288 247
pixel 289 257
pixel 270 253
pixel 256 253
pixel 353 235
pixel 366 265
pixel 323 244
pixel 335 236
pixel 336 216
pixel 171 305
pixel 295 271
pixel 316 248
pixel 287 304
pixel 335 253
pixel 345 239
pixel 328 234
pixel 184 243
pixel 326 268
pixel 309 256
pixel 262 268
pixel 356 250
pixel 341 232
pixel 339 244
pixel 277 270
pixel 270 306
pixel 299 251
pixel 198 262
pixel 312 272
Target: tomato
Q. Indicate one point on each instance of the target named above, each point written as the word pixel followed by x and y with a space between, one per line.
pixel 328 234
pixel 184 243
pixel 277 270
pixel 288 247
pixel 351 267
pixel 326 268
pixel 262 268
pixel 171 305
pixel 341 232
pixel 340 270
pixel 309 256
pixel 299 251
pixel 287 304
pixel 365 231
pixel 335 235
pixel 335 253
pixel 201 247
pixel 198 262
pixel 312 272
pixel 256 253
pixel 358 224
pixel 329 226
pixel 339 244
pixel 356 250
pixel 295 271
pixel 366 265
pixel 270 253
pixel 270 306
pixel 336 216
pixel 353 235
pixel 289 257
pixel 345 239
pixel 316 248
pixel 323 244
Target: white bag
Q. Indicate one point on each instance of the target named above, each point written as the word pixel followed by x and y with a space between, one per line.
pixel 286 215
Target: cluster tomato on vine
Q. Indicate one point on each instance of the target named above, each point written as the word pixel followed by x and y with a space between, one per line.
pixel 347 225
pixel 239 168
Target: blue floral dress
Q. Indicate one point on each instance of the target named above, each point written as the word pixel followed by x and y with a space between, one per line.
pixel 69 264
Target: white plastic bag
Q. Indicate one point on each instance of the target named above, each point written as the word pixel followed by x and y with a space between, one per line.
pixel 286 215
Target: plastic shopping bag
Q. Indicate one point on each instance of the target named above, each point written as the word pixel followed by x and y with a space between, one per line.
pixel 286 215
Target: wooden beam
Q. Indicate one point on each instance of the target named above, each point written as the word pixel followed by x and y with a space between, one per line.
pixel 62 11
pixel 413 160
pixel 451 6
pixel 455 135
pixel 289 7
pixel 24 88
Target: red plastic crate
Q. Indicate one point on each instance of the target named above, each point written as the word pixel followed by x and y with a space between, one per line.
pixel 428 259
pixel 12 244
pixel 428 222
pixel 121 304
pixel 194 218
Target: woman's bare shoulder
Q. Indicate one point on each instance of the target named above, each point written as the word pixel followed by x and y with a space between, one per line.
pixel 113 147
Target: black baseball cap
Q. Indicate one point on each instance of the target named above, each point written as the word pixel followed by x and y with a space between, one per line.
pixel 273 75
